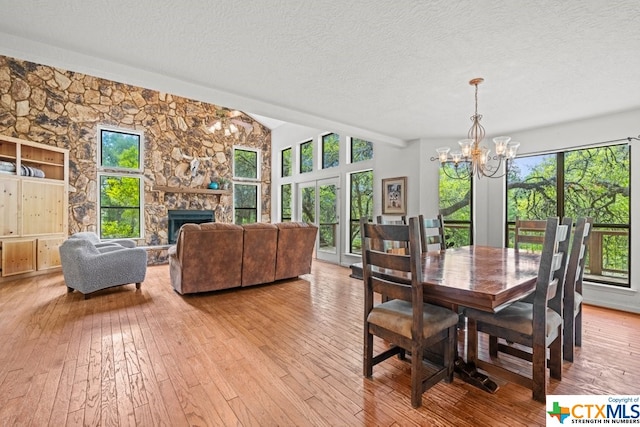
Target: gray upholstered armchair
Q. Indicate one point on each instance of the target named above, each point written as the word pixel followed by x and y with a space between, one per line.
pixel 87 268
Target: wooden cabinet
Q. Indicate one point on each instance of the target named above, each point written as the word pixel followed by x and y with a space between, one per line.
pixel 43 208
pixel 18 256
pixel 33 206
pixel 48 255
pixel 9 207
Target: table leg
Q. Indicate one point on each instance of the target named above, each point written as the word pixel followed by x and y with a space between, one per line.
pixel 467 370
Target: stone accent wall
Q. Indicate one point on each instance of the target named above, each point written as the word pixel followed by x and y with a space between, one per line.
pixel 63 108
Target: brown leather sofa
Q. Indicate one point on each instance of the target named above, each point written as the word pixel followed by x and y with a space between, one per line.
pixel 214 256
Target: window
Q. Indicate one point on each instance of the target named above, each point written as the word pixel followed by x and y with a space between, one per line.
pixel 245 163
pixel 120 154
pixel 584 182
pixel 361 150
pixel 306 157
pixel 246 187
pixel 330 150
pixel 285 161
pixel 120 149
pixel 361 205
pixel 285 202
pixel 455 207
pixel 245 203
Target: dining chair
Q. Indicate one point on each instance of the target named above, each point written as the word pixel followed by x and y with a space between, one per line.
pixel 573 288
pixel 529 232
pixel 407 324
pixel 534 325
pixel 432 233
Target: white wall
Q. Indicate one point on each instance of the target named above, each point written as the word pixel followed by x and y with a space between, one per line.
pixel 413 161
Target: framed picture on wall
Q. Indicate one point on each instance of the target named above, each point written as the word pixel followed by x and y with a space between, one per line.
pixel 394 196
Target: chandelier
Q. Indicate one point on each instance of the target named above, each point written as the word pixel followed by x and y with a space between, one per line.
pixel 473 158
pixel 229 122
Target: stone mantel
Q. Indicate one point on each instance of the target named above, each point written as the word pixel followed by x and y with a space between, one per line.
pixel 190 190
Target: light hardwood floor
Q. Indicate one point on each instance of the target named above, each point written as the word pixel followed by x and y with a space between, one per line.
pixel 283 354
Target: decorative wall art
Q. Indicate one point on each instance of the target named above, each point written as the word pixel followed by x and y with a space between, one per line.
pixel 394 196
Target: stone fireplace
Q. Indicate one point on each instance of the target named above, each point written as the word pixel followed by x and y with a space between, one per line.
pixel 179 217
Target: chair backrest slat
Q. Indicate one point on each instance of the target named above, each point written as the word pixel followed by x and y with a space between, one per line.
pixel 575 268
pixel 529 231
pixel 398 247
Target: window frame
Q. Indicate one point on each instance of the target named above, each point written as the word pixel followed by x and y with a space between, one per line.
pixel 452 223
pixel 301 163
pixel 282 206
pixel 560 205
pixel 135 173
pixel 355 222
pixel 141 142
pixel 239 181
pixel 282 163
pixel 258 152
pixel 258 200
pixel 351 160
pixel 323 139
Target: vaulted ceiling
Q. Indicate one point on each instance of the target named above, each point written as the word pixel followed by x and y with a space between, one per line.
pixel 392 71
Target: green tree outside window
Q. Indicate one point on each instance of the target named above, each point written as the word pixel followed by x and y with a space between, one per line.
pixel 361 201
pixel 306 157
pixel 286 162
pixel 330 150
pixel 245 200
pixel 245 163
pixel 285 208
pixel 361 150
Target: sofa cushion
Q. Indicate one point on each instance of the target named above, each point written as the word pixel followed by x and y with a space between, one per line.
pixel 207 257
pixel 259 253
pixel 296 243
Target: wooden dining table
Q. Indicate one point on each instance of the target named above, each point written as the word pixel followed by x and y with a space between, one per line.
pixel 482 277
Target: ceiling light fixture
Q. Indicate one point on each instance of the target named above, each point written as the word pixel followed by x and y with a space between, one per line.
pixel 229 122
pixel 474 159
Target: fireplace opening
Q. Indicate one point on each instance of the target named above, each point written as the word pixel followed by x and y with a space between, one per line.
pixel 179 217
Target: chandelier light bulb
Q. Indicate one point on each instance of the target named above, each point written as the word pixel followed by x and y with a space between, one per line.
pixel 465 147
pixel 512 149
pixel 501 144
pixel 443 154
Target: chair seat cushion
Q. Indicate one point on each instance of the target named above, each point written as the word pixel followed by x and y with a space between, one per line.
pixel 516 317
pixel 396 316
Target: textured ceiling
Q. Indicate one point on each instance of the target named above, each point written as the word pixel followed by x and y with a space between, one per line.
pixel 394 71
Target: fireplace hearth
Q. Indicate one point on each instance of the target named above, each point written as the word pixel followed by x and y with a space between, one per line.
pixel 179 217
